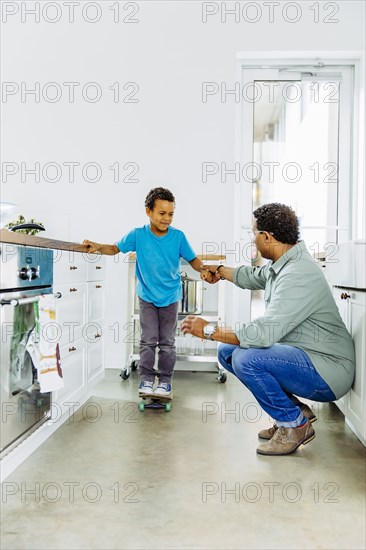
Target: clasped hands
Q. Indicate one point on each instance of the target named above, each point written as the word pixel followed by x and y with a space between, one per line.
pixel 209 274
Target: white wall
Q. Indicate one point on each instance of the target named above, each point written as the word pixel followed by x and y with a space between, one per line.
pixel 168 133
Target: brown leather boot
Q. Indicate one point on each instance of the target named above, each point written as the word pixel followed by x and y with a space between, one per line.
pixel 286 440
pixel 306 411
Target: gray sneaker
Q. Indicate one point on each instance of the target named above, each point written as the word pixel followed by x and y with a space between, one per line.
pixel 146 388
pixel 164 389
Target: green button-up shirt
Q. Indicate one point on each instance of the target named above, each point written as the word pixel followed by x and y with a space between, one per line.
pixel 300 312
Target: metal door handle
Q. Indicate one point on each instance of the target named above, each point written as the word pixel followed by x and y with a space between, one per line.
pixel 23 301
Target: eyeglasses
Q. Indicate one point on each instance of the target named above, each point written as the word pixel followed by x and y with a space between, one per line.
pixel 254 232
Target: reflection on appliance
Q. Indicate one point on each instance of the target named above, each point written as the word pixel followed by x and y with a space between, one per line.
pixel 26 273
pixel 21 374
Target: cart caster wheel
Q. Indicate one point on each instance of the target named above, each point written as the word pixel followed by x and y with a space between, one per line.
pixel 124 374
pixel 168 407
pixel 142 406
pixel 134 365
pixel 223 377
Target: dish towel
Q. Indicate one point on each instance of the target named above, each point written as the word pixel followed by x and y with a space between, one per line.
pixel 43 346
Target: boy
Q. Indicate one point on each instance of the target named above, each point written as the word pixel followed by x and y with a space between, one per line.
pixel 158 248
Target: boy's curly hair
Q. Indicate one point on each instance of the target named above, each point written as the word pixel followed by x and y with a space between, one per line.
pixel 156 194
pixel 280 220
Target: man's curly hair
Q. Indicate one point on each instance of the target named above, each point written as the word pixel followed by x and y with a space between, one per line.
pixel 156 194
pixel 280 220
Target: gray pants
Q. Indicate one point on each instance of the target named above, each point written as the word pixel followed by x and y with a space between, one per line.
pixel 158 327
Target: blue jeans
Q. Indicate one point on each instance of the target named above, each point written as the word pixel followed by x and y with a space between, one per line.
pixel 274 375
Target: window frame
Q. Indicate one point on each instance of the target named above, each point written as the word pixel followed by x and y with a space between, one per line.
pixel 351 192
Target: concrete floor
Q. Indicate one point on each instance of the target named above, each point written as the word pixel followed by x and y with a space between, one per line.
pixel 115 477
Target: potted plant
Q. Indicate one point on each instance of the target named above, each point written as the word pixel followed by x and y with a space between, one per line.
pixel 32 227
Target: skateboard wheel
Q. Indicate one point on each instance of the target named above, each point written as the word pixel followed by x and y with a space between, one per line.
pixel 168 407
pixel 142 406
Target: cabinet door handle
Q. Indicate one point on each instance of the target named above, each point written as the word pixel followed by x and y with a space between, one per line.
pixel 73 289
pixel 98 336
pixel 98 267
pixel 345 296
pixel 72 267
pixel 72 349
pixel 98 286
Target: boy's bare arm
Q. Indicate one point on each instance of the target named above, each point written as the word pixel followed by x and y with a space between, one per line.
pixel 196 264
pixel 98 248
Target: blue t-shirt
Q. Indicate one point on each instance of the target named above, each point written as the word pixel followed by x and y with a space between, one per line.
pixel 157 263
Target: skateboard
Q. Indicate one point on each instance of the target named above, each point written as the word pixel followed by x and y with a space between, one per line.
pixel 155 402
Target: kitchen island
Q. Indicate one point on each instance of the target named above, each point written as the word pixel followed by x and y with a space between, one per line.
pixel 77 281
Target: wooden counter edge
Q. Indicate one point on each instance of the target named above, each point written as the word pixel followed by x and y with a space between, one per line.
pixel 11 237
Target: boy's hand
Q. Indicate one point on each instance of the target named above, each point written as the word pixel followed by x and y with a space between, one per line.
pixel 93 248
pixel 208 273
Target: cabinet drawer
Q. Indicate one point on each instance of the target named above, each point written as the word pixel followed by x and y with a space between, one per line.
pixel 95 300
pixel 96 267
pixel 73 371
pixel 71 310
pixel 69 267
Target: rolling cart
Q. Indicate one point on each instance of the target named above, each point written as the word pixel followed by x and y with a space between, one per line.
pixel 193 354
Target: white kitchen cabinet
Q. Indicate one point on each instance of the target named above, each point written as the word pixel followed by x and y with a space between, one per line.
pixel 69 267
pixel 70 270
pixel 96 266
pixel 352 306
pixel 71 311
pixel 95 300
pixel 74 374
pixel 80 312
pixel 95 317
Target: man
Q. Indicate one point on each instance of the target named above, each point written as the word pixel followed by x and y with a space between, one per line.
pixel 299 346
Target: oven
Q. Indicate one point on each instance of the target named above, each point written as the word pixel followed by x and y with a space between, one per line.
pixel 25 274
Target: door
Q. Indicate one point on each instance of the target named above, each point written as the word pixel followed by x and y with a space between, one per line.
pixel 295 149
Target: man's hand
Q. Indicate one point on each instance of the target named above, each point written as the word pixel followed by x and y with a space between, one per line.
pixel 193 325
pixel 209 277
pixel 208 273
pixel 93 248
